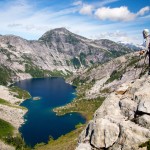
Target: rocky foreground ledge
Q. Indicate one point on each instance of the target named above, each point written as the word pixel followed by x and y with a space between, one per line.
pixel 123 120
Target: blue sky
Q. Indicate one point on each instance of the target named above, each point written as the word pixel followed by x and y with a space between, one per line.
pixel 118 20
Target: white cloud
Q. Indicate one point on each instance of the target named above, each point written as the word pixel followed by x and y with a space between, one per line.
pixel 120 36
pixel 76 3
pixel 86 9
pixel 143 11
pixel 119 13
pixel 115 14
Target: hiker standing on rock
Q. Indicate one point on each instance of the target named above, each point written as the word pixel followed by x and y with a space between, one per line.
pixel 146 36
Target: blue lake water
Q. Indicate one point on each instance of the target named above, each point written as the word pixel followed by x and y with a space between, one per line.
pixel 41 121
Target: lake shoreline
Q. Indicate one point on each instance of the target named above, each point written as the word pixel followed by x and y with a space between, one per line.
pixel 12 107
pixel 11 112
pixel 39 101
pixel 58 111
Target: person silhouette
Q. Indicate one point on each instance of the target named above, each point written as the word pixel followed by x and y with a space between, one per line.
pixel 146 36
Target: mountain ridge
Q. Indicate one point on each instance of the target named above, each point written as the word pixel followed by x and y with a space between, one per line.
pixel 58 52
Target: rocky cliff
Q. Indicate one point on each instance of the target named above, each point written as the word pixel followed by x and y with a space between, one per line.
pixel 57 53
pixel 122 122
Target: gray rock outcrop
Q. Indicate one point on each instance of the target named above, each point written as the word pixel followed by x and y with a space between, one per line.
pixel 123 120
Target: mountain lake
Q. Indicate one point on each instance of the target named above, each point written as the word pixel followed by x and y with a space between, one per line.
pixel 40 121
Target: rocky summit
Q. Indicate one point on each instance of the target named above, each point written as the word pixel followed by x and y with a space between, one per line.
pixel 123 120
pixel 57 53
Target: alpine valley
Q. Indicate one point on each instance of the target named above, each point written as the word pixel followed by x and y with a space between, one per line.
pixel 109 93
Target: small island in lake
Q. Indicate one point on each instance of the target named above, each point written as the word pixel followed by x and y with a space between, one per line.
pixel 36 98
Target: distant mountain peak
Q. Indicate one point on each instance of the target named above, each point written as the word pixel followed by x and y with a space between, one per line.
pixel 60 29
pixel 47 35
pixel 131 45
pixel 61 34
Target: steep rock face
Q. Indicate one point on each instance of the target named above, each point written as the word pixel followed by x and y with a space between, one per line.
pixel 65 41
pixel 105 78
pixel 19 55
pixel 96 51
pixel 70 43
pixel 122 122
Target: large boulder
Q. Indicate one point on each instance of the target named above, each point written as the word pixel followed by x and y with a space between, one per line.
pixel 104 133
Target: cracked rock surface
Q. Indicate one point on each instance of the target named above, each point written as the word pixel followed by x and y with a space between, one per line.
pixel 123 120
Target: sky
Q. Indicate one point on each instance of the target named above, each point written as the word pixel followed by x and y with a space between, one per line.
pixel 117 20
